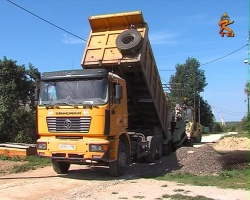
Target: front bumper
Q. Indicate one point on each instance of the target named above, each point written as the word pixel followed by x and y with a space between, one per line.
pixel 75 150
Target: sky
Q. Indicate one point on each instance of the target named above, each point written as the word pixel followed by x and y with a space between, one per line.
pixel 178 29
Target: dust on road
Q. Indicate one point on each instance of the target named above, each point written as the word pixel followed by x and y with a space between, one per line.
pixel 85 182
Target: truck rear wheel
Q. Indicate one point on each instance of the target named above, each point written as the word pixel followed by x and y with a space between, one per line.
pixel 60 167
pixel 150 158
pixel 117 168
pixel 159 148
pixel 167 149
pixel 129 41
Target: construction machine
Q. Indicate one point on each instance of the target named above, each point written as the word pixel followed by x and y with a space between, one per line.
pixel 112 110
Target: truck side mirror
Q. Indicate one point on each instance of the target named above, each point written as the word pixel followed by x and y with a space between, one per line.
pixel 36 97
pixel 118 92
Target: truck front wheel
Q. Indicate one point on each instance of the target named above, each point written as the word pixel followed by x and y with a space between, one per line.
pixel 117 168
pixel 60 167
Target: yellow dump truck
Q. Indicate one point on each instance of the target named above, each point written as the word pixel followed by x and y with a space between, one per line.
pixel 112 111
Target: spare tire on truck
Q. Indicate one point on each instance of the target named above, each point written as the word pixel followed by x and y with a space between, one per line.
pixel 129 41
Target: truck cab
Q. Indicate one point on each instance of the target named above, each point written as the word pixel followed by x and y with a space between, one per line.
pixel 82 115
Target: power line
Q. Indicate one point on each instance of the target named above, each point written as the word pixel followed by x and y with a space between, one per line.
pixel 232 113
pixel 216 58
pixel 46 20
pixel 166 69
pixel 224 56
pixel 86 40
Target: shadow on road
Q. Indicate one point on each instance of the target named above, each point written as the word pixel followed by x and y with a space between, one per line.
pixel 26 177
pixel 134 171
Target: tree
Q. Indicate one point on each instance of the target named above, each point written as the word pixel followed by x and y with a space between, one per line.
pixel 216 128
pixel 191 81
pixel 244 124
pixel 207 116
pixel 17 108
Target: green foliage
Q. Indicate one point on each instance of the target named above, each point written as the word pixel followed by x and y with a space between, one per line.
pixel 247 89
pixel 244 124
pixel 226 179
pixel 188 81
pixel 184 197
pixel 22 168
pixel 207 117
pixel 31 163
pixel 13 158
pixel 191 78
pixel 217 128
pixel 17 108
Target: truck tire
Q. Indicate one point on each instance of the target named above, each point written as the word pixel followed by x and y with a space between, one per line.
pixel 150 158
pixel 117 168
pixel 140 160
pixel 129 41
pixel 159 148
pixel 60 167
pixel 167 149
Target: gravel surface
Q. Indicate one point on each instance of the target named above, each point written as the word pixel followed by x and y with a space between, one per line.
pixel 85 182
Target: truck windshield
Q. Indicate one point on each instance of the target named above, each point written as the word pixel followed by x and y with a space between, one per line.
pixel 74 92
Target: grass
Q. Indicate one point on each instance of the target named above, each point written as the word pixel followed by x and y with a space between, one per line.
pixel 235 179
pixel 240 134
pixel 184 197
pixel 179 190
pixel 27 163
pixel 139 197
pixel 13 158
pixel 114 193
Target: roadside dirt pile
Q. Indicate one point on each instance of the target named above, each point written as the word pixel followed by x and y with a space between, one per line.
pixel 201 161
pixel 232 143
pixel 205 160
pixel 198 161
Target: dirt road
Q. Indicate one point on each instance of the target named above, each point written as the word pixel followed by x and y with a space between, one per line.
pixel 87 183
pixel 84 182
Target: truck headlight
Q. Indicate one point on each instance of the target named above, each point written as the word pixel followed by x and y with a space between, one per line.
pixel 98 147
pixel 41 145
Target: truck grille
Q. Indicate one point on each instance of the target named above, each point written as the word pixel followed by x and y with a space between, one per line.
pixel 69 124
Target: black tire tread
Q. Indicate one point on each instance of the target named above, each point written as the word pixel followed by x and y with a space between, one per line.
pixel 150 158
pixel 131 47
pixel 114 168
pixel 60 167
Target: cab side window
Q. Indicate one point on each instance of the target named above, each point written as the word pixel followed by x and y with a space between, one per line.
pixel 114 100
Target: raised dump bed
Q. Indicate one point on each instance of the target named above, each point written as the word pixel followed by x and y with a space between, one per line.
pixel 119 42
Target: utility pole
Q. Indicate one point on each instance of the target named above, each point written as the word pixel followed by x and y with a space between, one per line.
pixel 199 109
pixel 248 86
